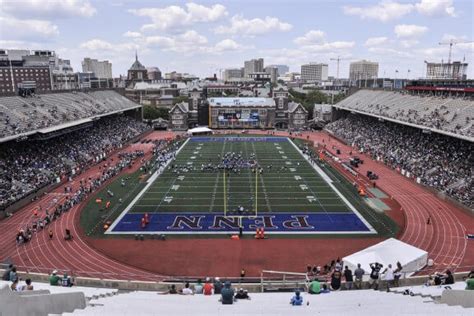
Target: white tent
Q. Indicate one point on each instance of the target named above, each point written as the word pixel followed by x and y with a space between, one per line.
pixel 199 130
pixel 389 252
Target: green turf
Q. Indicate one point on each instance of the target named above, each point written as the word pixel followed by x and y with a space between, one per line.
pixel 291 185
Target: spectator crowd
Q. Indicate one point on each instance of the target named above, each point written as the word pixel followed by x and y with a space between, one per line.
pixel 27 166
pixel 442 162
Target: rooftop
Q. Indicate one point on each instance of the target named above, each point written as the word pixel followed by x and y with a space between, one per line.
pixel 251 102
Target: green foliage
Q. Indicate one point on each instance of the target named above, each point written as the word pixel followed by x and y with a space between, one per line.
pixel 180 99
pixel 151 112
pixel 308 100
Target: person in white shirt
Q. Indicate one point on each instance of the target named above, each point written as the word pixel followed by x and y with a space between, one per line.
pixel 187 290
pixel 388 277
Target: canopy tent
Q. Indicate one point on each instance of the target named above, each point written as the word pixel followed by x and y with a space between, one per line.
pixel 387 252
pixel 203 130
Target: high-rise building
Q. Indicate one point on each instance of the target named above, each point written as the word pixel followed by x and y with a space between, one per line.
pixel 282 69
pixel 273 71
pixel 253 65
pixel 364 69
pixel 101 69
pixel 232 73
pixel 314 72
pixel 454 70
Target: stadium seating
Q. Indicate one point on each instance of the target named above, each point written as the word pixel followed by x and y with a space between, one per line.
pixel 23 115
pixel 364 302
pixel 453 115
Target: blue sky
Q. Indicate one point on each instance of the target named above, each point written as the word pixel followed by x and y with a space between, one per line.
pixel 203 37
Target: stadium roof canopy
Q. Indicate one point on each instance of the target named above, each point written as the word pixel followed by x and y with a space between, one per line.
pixel 240 102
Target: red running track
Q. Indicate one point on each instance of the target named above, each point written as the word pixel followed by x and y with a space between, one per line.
pixel 444 239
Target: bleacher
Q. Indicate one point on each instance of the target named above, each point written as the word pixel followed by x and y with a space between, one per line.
pixel 20 115
pixel 106 302
pixel 453 115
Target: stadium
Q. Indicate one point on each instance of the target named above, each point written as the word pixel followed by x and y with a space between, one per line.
pixel 251 193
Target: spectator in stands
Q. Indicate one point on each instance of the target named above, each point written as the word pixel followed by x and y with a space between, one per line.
pixel 314 287
pixel 470 281
pixel 217 285
pixel 13 274
pixel 54 278
pixel 325 289
pixel 208 288
pixel 388 276
pixel 242 294
pixel 66 280
pixel 359 274
pixel 448 278
pixel 227 294
pixel 198 287
pixel 336 278
pixel 6 274
pixel 171 290
pixel 187 290
pixel 374 275
pixel 14 285
pixel 25 287
pixel 348 277
pixel 297 299
pixel 397 273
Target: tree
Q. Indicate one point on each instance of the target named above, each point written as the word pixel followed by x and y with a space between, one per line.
pixel 181 98
pixel 151 112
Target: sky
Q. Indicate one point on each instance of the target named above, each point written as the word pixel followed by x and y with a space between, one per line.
pixel 205 37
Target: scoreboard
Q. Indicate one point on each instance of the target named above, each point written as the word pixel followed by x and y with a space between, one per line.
pixel 238 115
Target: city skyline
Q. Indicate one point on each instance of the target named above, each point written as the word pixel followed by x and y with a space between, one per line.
pixel 205 37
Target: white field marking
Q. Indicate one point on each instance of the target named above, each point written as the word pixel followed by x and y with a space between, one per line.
pixel 288 163
pixel 196 152
pixel 167 199
pixel 175 187
pixel 297 178
pixel 329 182
pixel 303 187
pixel 192 157
pixel 149 183
pixel 181 178
pixel 284 157
pixel 308 232
pixel 292 169
pixel 198 148
pixel 281 152
pixel 200 144
pixel 189 163
pixel 311 198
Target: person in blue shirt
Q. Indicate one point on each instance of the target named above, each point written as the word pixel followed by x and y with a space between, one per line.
pixel 297 300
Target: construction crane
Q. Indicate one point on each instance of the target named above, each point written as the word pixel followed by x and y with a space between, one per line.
pixel 451 43
pixel 338 59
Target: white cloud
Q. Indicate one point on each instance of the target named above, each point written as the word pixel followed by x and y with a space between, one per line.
pixel 26 29
pixel 390 52
pixel 409 43
pixel 53 9
pixel 436 7
pixel 175 17
pixel 409 30
pixel 240 25
pixel 102 46
pixel 376 41
pixel 132 34
pixel 329 47
pixel 383 11
pixel 188 42
pixel 227 45
pixel 311 37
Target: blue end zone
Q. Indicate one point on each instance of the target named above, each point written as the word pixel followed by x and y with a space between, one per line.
pixel 238 139
pixel 286 223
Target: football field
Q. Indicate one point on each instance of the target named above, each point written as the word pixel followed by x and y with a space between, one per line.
pixel 273 185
